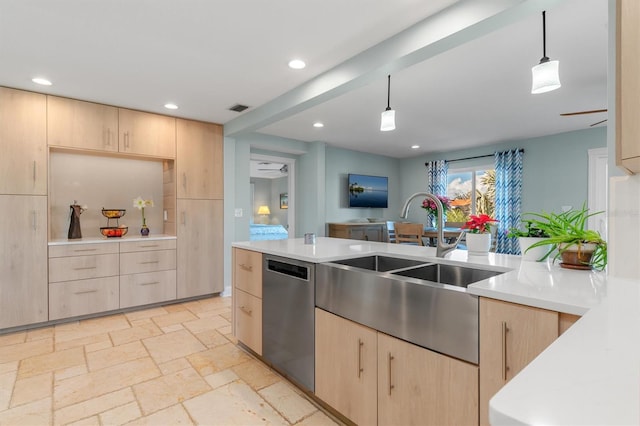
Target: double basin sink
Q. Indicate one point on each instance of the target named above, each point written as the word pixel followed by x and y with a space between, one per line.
pixel 422 302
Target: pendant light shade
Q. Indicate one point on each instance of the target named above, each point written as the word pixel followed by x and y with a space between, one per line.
pixel 388 116
pixel 545 75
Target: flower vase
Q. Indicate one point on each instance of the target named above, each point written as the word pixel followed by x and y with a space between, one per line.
pixel 144 231
pixel 434 221
pixel 478 244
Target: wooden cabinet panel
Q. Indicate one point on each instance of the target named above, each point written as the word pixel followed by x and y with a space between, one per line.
pixel 248 320
pixel 199 169
pixel 83 297
pixel 200 247
pixel 147 261
pixel 66 250
pixel 133 246
pixel 358 231
pixel 23 141
pixel 79 124
pixel 150 287
pixel 346 373
pixel 23 256
pixel 247 271
pixel 420 387
pixel 146 134
pixel 511 336
pixel 82 267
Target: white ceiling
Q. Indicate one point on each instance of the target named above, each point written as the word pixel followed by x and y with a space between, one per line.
pixel 207 55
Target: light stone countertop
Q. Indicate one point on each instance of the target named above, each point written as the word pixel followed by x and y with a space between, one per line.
pixel 590 375
pixel 126 238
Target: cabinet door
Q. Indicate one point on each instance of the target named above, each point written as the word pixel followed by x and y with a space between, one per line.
pixel 374 233
pixel 357 233
pixel 248 320
pixel 346 367
pixel 23 260
pixel 199 160
pixel 247 271
pixel 23 141
pixel 511 336
pixel 79 124
pixel 200 243
pixel 419 387
pixel 146 134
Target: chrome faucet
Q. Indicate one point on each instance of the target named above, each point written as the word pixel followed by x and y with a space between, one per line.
pixel 442 248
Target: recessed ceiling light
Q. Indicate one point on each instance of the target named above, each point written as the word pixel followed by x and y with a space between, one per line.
pixel 42 81
pixel 297 64
pixel 318 124
pixel 171 106
pixel 415 146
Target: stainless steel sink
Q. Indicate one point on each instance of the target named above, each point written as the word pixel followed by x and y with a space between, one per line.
pixel 459 276
pixel 379 263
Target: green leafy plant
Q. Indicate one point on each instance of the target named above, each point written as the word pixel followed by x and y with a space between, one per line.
pixel 530 230
pixel 567 231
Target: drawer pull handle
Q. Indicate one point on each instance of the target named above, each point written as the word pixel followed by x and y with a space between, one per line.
pixel 390 385
pixel 151 283
pixel 79 250
pixel 84 268
pixel 246 267
pixel 149 245
pixel 360 369
pixel 86 292
pixel 245 310
pixel 505 368
pixel 150 261
pixel 34 172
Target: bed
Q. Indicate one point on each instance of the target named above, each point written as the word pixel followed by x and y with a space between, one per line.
pixel 259 232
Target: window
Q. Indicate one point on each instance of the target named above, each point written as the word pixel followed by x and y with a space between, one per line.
pixel 462 183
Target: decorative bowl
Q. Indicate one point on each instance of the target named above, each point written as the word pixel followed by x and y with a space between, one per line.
pixel 113 213
pixel 114 231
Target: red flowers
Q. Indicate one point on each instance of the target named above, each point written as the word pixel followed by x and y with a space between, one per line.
pixel 430 206
pixel 479 224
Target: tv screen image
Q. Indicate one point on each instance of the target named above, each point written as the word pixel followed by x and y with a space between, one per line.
pixel 368 191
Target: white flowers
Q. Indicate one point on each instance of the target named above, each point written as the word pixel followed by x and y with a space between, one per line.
pixel 140 203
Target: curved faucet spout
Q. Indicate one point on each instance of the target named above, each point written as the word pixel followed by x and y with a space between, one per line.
pixel 442 248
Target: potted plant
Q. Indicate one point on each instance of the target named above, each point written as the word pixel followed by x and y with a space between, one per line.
pixel 479 233
pixel 578 247
pixel 432 211
pixel 529 236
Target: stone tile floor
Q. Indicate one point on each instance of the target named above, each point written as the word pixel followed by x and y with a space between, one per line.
pixel 173 365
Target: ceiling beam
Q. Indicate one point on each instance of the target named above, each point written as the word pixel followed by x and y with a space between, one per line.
pixel 458 24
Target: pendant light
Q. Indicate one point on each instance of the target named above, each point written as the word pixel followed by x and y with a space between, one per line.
pixel 388 117
pixel 545 74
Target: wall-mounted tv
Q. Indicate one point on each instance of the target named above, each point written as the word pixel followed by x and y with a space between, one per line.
pixel 368 191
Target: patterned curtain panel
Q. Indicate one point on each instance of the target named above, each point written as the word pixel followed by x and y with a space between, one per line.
pixel 508 198
pixel 437 177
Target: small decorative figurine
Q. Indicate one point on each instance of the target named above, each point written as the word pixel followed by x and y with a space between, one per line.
pixel 74 224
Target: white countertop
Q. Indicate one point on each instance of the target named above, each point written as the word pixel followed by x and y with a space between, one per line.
pixel 590 375
pixel 126 238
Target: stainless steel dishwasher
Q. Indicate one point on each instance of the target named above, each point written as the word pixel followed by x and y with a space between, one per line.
pixel 288 302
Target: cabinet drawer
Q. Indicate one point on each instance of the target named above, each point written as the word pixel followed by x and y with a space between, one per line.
pixel 150 287
pixel 73 298
pixel 150 245
pixel 248 313
pixel 247 271
pixel 82 267
pixel 82 249
pixel 147 261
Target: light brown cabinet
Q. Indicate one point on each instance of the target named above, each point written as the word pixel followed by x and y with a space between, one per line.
pixel 373 378
pixel 200 247
pixel 199 169
pixel 82 125
pixel 247 298
pixel 359 231
pixel 628 77
pixel 511 336
pixel 146 134
pixel 23 256
pixel 346 375
pixel 23 141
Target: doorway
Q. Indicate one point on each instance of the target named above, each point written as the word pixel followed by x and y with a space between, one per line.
pixel 272 197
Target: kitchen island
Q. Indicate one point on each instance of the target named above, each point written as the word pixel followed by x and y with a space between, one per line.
pixel 587 376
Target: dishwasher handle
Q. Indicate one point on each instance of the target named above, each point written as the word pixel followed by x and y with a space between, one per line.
pixel 296 271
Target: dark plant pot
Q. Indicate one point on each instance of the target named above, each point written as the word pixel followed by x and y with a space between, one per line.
pixel 577 257
pixel 144 231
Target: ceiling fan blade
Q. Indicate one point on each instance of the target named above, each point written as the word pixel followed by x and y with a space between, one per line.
pixel 599 122
pixel 593 111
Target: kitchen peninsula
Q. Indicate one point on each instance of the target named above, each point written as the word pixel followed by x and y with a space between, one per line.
pixel 556 387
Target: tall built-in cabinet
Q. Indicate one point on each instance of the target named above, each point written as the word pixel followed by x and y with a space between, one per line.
pixel 23 201
pixel 199 179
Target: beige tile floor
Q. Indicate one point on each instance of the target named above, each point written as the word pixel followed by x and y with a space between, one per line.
pixel 172 365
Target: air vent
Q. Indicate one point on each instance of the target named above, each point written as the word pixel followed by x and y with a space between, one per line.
pixel 238 108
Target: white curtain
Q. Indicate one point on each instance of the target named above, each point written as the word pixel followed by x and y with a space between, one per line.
pixel 508 198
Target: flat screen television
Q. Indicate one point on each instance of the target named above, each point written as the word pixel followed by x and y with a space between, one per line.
pixel 368 191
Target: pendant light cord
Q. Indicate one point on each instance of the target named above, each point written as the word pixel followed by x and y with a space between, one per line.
pixel 388 92
pixel 544 37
